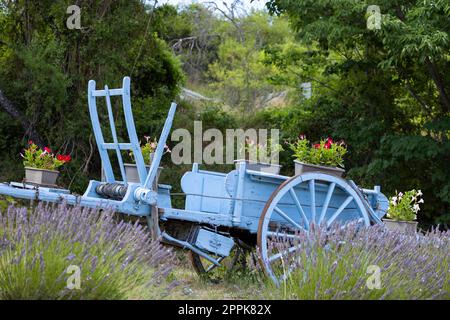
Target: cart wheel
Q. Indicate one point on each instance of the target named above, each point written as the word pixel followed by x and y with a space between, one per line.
pixel 236 259
pixel 296 204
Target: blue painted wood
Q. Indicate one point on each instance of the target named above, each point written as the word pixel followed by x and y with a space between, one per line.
pixel 220 199
pixel 213 219
pixel 103 147
pixel 326 203
pixel 282 216
pixel 186 245
pixel 160 148
pixel 214 243
pixel 312 192
pixel 131 130
pixel 206 192
pixel 239 195
pixel 241 199
pixel 300 209
pixel 106 163
pixel 239 202
pixel 128 205
pixel 112 126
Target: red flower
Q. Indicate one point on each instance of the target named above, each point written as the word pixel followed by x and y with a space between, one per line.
pixel 328 143
pixel 63 158
pixel 47 149
pixel 30 142
pixel 317 145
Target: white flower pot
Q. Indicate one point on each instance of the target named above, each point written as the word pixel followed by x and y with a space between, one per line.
pixel 259 166
pixel 400 226
pixel 41 176
pixel 301 167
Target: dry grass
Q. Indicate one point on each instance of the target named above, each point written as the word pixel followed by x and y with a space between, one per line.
pixel 192 287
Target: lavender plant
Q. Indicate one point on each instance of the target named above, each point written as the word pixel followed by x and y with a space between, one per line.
pixel 115 259
pixel 338 263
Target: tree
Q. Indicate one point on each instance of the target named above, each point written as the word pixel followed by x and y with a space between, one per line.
pixel 45 68
pixel 385 91
pixel 239 75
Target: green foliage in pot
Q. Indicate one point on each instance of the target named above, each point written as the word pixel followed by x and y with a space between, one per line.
pixel 148 148
pixel 262 152
pixel 325 153
pixel 405 206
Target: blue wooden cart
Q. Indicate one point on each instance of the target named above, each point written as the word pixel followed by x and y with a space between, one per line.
pixel 225 214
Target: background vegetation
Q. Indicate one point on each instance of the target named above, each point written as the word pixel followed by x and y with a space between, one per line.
pixel 385 92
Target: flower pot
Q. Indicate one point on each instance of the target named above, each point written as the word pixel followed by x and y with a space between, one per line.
pixel 259 166
pixel 132 173
pixel 301 167
pixel 41 176
pixel 401 226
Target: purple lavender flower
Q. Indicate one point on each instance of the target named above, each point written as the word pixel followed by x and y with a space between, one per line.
pixel 411 266
pixel 111 256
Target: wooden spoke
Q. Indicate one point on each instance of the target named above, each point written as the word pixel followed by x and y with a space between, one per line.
pixel 338 211
pixel 280 210
pixel 299 207
pixel 327 202
pixel 282 235
pixel 285 252
pixel 287 218
pixel 312 192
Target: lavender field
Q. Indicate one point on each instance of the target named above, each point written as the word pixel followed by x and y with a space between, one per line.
pixel 40 248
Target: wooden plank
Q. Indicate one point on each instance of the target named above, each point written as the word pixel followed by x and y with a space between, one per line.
pixel 102 93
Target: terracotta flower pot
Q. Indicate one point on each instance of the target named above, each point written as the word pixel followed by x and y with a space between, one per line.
pixel 41 176
pixel 301 167
pixel 259 166
pixel 401 226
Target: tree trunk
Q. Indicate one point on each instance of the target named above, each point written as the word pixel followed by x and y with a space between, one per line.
pixel 29 130
pixel 434 73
